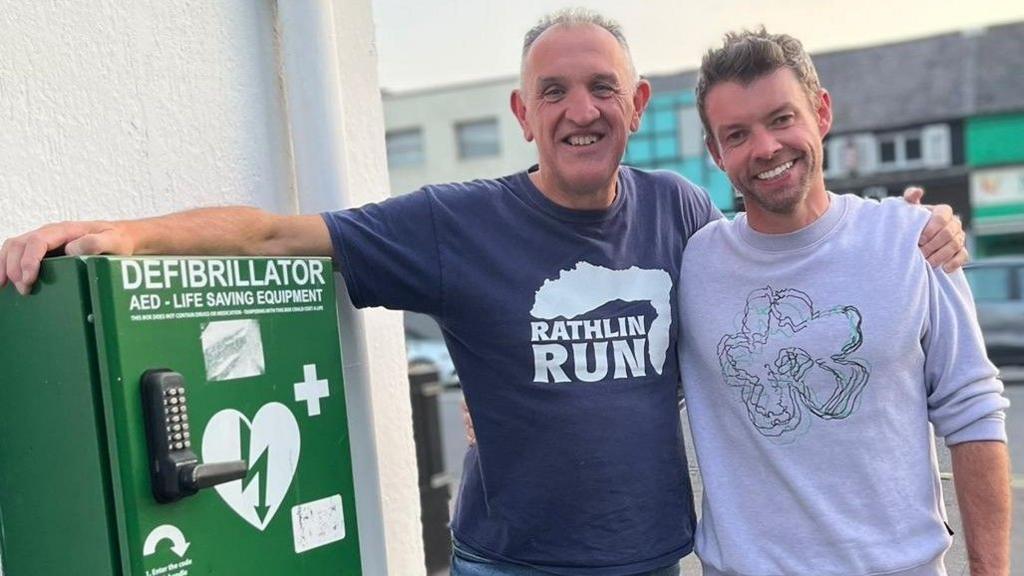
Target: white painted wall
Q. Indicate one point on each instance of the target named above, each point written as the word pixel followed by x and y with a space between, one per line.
pixel 116 109
pixel 437 111
pixel 128 109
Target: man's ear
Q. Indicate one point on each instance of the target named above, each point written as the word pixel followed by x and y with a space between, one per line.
pixel 824 112
pixel 519 109
pixel 641 96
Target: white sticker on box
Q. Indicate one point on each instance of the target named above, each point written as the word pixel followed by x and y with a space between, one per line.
pixel 232 349
pixel 318 523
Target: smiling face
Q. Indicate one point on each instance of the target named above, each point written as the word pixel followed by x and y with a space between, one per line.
pixel 767 136
pixel 579 101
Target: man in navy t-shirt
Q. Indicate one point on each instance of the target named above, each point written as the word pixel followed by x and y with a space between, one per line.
pixel 556 292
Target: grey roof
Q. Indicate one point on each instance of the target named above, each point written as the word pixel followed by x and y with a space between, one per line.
pixel 954 75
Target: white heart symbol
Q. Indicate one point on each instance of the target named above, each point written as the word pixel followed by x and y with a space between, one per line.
pixel 272 454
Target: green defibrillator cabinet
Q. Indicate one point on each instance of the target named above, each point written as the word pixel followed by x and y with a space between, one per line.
pixel 175 417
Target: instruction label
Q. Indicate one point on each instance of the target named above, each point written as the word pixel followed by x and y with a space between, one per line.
pixel 173 289
pixel 171 569
pixel 318 523
pixel 178 545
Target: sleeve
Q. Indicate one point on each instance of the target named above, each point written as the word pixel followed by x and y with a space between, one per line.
pixel 701 209
pixel 388 253
pixel 965 395
pixel 695 207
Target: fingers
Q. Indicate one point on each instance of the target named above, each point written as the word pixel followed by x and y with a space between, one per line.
pixel 913 194
pixel 943 239
pixel 961 258
pixel 467 421
pixel 943 255
pixel 20 256
pixel 11 263
pixel 35 250
pixel 942 221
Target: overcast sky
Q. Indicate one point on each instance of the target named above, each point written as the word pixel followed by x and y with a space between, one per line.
pixel 437 42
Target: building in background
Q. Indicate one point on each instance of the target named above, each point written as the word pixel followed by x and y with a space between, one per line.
pixel 944 112
pixel 453 134
pixel 465 131
pixel 995 145
pixel 671 138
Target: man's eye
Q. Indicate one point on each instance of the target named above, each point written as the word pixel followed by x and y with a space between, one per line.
pixel 735 137
pixel 553 93
pixel 604 90
pixel 783 120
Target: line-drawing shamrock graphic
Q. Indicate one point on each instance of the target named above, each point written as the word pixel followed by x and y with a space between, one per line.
pixel 788 356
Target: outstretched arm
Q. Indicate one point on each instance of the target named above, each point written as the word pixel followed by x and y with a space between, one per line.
pixel 231 230
pixel 981 475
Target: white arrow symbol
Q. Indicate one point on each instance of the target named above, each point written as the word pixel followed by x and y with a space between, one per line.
pixel 166 532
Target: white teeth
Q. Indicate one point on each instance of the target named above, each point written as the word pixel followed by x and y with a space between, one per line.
pixel 582 140
pixel 778 170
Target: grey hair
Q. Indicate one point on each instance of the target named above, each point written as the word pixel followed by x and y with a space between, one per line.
pixel 570 17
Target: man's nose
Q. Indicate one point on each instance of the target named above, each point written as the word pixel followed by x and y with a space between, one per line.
pixel 766 145
pixel 582 109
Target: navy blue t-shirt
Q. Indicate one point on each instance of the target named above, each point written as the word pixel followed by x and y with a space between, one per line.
pixel 562 325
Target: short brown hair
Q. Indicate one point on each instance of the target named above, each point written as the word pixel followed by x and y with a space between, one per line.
pixel 748 55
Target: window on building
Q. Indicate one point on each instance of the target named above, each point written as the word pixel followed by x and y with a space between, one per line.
pixel 691 133
pixel 928 146
pixel 477 139
pixel 912 147
pixel 887 151
pixel 405 147
pixel 935 145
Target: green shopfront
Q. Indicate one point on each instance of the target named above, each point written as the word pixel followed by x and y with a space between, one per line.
pixel 995 152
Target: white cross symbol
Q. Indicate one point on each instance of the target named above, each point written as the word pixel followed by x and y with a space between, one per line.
pixel 311 390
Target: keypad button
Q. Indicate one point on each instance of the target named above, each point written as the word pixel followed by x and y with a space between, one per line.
pixel 187 444
pixel 177 436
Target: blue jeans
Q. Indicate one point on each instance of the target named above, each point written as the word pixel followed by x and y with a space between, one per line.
pixel 466 563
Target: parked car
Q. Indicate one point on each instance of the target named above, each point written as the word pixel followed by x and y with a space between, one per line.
pixel 998 287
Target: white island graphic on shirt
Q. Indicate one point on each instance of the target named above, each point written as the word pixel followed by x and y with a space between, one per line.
pixel 596 349
pixel 788 354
